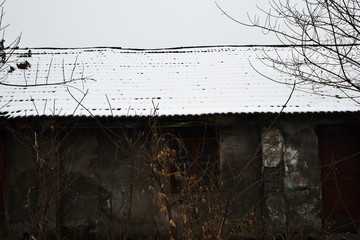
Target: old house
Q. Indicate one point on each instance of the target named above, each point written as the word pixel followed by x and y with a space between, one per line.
pixel 196 141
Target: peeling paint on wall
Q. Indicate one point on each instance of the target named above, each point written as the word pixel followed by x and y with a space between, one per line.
pixel 293 170
pixel 291 184
pixel 272 147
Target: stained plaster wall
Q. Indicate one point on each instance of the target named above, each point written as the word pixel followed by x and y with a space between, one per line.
pixel 240 167
pixel 292 177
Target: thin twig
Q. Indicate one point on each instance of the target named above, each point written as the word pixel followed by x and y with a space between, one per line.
pixel 107 99
pixel 33 101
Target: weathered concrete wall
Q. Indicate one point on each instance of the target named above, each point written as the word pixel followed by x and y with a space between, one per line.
pixel 240 165
pixel 292 177
pixel 106 186
pixel 241 185
pixel 110 187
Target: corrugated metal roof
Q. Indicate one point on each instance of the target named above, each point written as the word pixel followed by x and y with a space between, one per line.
pixel 118 82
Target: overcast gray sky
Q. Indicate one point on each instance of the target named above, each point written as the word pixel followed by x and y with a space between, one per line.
pixel 130 23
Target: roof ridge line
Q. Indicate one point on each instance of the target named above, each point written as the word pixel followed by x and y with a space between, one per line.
pixel 179 47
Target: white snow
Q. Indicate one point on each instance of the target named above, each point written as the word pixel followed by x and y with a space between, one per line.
pixel 188 81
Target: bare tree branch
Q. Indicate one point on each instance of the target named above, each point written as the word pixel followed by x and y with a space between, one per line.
pixel 324 40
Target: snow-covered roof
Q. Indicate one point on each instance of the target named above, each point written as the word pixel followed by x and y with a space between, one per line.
pixel 121 82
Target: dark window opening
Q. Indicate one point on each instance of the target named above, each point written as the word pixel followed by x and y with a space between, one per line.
pixel 197 160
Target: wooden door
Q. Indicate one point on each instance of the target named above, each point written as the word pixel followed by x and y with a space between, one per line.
pixel 339 152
